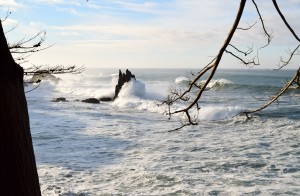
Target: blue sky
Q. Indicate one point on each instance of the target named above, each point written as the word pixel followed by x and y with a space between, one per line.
pixel 147 33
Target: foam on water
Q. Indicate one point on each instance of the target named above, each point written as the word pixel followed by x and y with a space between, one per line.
pixel 133 88
pixel 124 147
pixel 182 80
pixel 217 82
pixel 219 112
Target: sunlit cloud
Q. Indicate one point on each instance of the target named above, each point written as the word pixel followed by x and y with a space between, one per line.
pixel 191 28
pixel 67 10
pixel 12 5
pixel 53 2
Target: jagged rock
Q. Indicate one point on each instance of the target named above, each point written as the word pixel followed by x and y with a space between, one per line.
pixel 91 100
pixel 123 78
pixel 59 99
pixel 106 99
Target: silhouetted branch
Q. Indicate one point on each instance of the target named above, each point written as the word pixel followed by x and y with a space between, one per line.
pixel 34 87
pixel 263 25
pixel 247 28
pixel 283 62
pixel 294 80
pixel 249 51
pixel 35 70
pixel 249 62
pixel 6 16
pixel 11 29
pixel 31 45
pixel 212 66
pixel 196 87
pixel 285 21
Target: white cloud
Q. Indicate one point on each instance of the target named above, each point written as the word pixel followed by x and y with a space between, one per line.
pixel 11 4
pixel 156 36
pixel 151 29
pixel 139 7
pixel 53 2
pixel 67 10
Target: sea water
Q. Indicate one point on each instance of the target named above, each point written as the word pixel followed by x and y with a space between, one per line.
pixel 125 147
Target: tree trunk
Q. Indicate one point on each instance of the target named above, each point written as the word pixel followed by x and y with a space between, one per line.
pixel 18 172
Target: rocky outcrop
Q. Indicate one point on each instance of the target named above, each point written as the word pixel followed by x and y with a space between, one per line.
pixel 123 78
pixel 59 99
pixel 91 100
pixel 106 99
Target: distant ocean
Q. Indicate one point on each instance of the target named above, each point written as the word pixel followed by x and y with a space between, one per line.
pixel 124 147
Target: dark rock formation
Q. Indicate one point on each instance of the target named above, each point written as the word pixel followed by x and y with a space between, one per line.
pixel 106 99
pixel 91 100
pixel 59 99
pixel 123 78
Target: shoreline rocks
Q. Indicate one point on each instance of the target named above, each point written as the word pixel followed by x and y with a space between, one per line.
pixel 59 99
pixel 123 78
pixel 91 100
pixel 106 99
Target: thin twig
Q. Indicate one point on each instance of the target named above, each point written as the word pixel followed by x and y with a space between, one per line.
pixel 263 25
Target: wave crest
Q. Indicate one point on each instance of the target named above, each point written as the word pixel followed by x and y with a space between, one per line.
pixel 212 113
pixel 133 88
pixel 181 80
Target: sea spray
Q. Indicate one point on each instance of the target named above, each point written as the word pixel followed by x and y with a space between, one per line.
pixel 133 88
pixel 182 80
pixel 213 113
pixel 110 150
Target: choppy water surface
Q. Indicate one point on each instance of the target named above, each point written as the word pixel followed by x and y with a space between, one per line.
pixel 125 147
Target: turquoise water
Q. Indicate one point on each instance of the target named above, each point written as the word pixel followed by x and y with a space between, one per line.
pixel 125 147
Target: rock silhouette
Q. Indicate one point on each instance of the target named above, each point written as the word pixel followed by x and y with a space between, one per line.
pixel 91 100
pixel 123 78
pixel 106 99
pixel 59 99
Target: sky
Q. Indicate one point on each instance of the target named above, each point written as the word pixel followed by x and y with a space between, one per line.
pixel 148 33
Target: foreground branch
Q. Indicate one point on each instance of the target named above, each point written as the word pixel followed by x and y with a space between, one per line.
pixel 35 70
pixel 269 37
pixel 294 80
pixel 210 67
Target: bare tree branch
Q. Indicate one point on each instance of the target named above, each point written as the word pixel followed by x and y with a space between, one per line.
pixel 11 29
pixel 249 62
pixel 247 28
pixel 8 13
pixel 31 45
pixel 284 63
pixel 213 67
pixel 285 21
pixel 42 69
pixel 246 53
pixel 263 25
pixel 294 80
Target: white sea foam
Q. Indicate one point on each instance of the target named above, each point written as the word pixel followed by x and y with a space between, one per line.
pixel 133 88
pixel 181 80
pixel 79 87
pixel 125 149
pixel 216 82
pixel 134 95
pixel 218 112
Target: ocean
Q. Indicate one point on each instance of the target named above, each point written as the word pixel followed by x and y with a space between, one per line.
pixel 125 147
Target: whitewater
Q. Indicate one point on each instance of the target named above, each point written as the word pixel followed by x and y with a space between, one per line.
pixel 125 147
